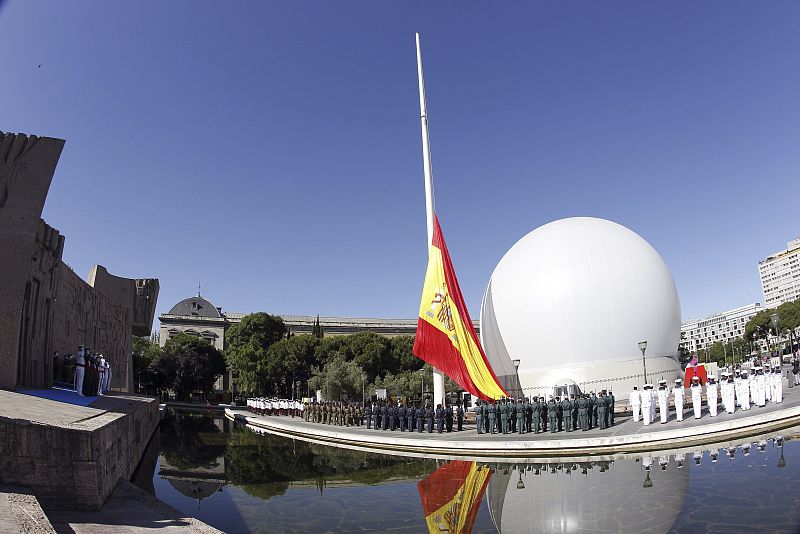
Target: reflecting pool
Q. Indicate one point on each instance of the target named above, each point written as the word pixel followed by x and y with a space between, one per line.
pixel 240 480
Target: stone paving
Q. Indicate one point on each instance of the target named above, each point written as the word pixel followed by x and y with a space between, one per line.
pixel 623 428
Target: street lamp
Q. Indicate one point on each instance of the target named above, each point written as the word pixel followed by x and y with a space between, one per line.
pixel 643 347
pixel 775 319
pixel 422 386
pixel 516 370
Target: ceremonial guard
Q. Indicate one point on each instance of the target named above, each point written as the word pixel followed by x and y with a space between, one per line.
pixel 711 395
pixel 503 416
pixel 420 414
pixel 528 407
pixel 544 414
pixel 778 396
pixel 601 409
pixel 636 403
pixel 677 393
pixel 663 401
pixel 647 401
pixel 439 418
pixel 761 398
pixel 610 400
pixel 744 398
pixel 392 411
pixel 384 416
pixel 583 413
pixel 479 416
pixel 552 415
pixel 368 413
pixel 80 369
pixel 460 417
pixel 566 410
pixel 429 417
pixel 448 417
pixel 593 411
pixel 490 408
pixel 520 416
pixel 410 416
pixel 536 415
pixel 697 391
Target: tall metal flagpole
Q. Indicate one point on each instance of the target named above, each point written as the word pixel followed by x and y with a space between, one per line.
pixel 438 377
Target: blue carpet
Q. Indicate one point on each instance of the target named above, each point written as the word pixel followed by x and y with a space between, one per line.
pixel 61 395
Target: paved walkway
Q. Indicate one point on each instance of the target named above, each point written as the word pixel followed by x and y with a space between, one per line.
pixel 128 510
pixel 624 436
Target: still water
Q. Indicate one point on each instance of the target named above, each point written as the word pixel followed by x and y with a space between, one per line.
pixel 239 480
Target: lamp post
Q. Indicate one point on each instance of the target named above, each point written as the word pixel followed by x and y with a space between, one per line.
pixel 422 386
pixel 516 370
pixel 643 347
pixel 775 319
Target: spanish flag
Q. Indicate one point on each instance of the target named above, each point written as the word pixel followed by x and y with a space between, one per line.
pixel 451 496
pixel 445 336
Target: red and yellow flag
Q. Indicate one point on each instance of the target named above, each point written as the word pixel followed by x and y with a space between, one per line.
pixel 452 495
pixel 445 336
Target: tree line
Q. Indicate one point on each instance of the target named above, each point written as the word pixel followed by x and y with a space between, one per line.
pixel 266 360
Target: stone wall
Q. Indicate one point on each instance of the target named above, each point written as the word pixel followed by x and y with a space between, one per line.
pixel 44 305
pixel 75 465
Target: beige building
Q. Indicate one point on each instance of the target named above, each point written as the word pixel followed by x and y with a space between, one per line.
pixel 780 275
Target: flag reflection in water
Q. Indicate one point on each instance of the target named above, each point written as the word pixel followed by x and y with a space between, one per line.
pixel 452 494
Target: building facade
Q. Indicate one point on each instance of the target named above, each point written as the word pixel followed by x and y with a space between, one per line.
pixel 780 275
pixel 699 334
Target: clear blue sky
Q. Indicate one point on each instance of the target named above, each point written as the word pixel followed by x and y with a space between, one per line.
pixel 271 150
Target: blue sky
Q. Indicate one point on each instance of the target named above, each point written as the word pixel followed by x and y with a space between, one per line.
pixel 271 150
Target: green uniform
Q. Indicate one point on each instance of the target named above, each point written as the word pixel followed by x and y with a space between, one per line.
pixel 583 414
pixel 601 411
pixel 536 416
pixel 492 409
pixel 479 417
pixel 552 416
pixel 504 417
pixel 566 409
pixel 520 413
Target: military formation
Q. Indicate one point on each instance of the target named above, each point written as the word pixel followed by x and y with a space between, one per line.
pixel 566 413
pixel 274 406
pixel 739 388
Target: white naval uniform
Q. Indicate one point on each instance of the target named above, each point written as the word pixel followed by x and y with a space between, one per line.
pixel 767 387
pixel 80 369
pixel 744 398
pixel 636 404
pixel 697 391
pixel 711 398
pixel 761 393
pixel 647 402
pixel 778 398
pixel 653 405
pixel 677 391
pixel 663 404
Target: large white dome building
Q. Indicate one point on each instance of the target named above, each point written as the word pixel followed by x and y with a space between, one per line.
pixel 571 301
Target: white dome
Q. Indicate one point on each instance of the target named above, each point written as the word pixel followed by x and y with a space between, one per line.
pixel 572 300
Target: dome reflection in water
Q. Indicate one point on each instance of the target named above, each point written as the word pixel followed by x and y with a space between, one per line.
pixel 239 480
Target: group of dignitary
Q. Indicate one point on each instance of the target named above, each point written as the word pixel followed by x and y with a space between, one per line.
pixel 737 388
pixel 92 373
pixel 535 415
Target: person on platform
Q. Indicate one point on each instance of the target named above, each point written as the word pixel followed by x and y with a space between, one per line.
pixel 101 373
pixel 384 416
pixel 536 416
pixel 459 417
pixel 448 417
pixel 796 370
pixel 107 387
pixel 80 369
pixel 677 394
pixel 600 406
pixel 654 404
pixel 583 412
pixel 479 416
pixel 491 411
pixel 610 400
pixel 392 413
pixel 778 396
pixel 503 416
pixel 429 418
pixel 402 412
pixel 439 418
pixel 744 398
pixel 712 397
pixel 419 414
pixel 663 401
pixel 697 392
pixel 593 412
pixel 647 401
pixel 519 416
pixel 635 400
pixel 410 412
pixel 761 386
pixel 552 415
pixel 565 408
pixel 368 414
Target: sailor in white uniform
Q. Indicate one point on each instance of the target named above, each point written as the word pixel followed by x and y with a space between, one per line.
pixel 80 369
pixel 636 403
pixel 697 391
pixel 711 395
pixel 647 404
pixel 678 392
pixel 663 401
pixel 744 398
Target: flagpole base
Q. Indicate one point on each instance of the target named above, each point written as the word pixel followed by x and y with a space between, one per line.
pixel 438 388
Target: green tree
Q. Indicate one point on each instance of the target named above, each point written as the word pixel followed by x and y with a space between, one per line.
pixel 371 352
pixel 316 330
pixel 247 344
pixel 190 364
pixel 401 348
pixel 145 356
pixel 339 378
pixel 290 361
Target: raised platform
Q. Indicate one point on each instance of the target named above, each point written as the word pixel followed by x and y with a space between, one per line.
pixel 624 437
pixel 72 456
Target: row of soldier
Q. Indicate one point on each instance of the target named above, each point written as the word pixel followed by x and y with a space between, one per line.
pixel 569 413
pixel 92 373
pixel 409 416
pixel 735 389
pixel 274 406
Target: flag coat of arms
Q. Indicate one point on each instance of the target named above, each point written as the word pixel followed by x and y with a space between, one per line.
pixel 452 495
pixel 445 336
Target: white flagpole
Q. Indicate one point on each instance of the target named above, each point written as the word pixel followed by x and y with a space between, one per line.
pixel 438 377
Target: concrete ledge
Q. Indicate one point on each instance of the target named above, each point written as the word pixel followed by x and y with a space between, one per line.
pixel 474 445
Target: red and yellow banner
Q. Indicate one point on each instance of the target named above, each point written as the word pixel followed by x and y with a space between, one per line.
pixel 451 496
pixel 445 336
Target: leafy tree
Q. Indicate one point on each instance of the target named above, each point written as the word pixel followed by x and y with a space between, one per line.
pixel 247 344
pixel 182 443
pixel 372 352
pixel 190 364
pixel 338 378
pixel 290 360
pixel 145 355
pixel 316 330
pixel 401 348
